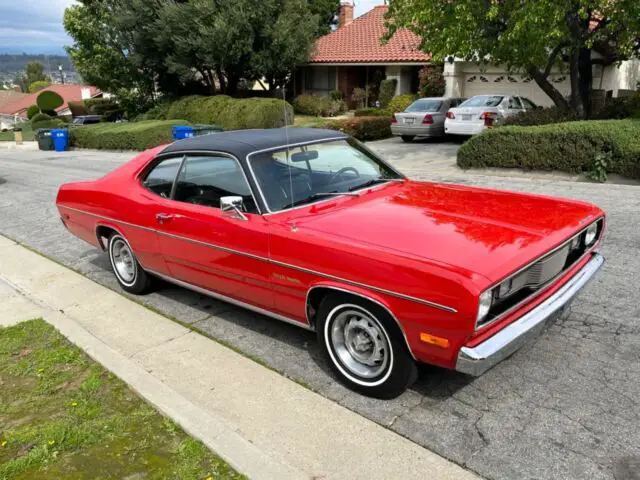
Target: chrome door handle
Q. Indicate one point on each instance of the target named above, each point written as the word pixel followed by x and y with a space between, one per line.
pixel 163 217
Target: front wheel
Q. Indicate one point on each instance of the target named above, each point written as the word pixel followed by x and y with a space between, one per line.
pixel 131 277
pixel 364 346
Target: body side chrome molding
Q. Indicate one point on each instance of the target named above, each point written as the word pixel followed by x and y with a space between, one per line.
pixel 386 309
pixel 233 301
pixel 276 262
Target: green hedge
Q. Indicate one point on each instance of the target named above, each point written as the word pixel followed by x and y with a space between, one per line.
pixel 364 128
pixel 318 106
pixel 227 112
pixel 569 147
pixel 541 116
pixel 124 136
pixel 371 112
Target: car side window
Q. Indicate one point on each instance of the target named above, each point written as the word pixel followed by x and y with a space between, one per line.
pixel 528 104
pixel 161 177
pixel 204 180
pixel 514 104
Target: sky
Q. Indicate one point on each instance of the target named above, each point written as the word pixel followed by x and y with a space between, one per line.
pixel 35 26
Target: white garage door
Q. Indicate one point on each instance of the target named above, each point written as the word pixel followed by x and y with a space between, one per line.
pixel 491 84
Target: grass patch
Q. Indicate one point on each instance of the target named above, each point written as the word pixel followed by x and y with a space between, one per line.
pixel 27 135
pixel 309 121
pixel 64 416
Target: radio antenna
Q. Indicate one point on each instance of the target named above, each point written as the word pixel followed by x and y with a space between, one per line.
pixel 286 136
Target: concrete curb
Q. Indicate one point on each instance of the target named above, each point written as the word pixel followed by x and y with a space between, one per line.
pixel 261 423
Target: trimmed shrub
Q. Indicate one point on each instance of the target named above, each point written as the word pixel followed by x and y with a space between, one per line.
pixel 53 123
pixel 318 106
pixel 32 111
pixel 39 85
pixel 621 107
pixel 159 112
pixel 124 136
pixel 40 117
pixel 77 109
pixel 387 91
pixel 336 95
pixel 541 116
pixel 399 103
pixel 49 100
pixel 569 147
pixel 363 128
pixel 370 112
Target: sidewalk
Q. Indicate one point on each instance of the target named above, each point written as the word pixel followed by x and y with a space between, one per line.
pixel 261 423
pixel 25 146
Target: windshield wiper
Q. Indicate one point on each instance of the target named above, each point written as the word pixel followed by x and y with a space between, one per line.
pixel 373 182
pixel 315 196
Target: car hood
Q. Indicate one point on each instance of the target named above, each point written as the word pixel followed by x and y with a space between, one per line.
pixel 487 232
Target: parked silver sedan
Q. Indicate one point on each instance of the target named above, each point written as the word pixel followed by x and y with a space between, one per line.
pixel 423 118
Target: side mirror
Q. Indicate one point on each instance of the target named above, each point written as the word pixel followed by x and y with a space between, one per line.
pixel 233 204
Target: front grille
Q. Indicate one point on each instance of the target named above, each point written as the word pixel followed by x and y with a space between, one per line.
pixel 533 278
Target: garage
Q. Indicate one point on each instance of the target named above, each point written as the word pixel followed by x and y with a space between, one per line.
pixel 482 83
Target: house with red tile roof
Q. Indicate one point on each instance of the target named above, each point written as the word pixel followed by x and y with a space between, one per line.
pixel 353 56
pixel 16 108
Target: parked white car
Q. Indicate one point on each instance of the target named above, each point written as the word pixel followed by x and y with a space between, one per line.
pixel 483 111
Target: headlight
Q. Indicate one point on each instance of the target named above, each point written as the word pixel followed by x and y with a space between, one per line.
pixel 484 305
pixel 591 235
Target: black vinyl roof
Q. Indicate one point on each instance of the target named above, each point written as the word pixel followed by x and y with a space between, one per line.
pixel 243 142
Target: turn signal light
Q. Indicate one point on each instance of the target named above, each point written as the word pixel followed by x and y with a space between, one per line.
pixel 433 340
pixel 394 119
pixel 427 120
pixel 450 115
pixel 489 118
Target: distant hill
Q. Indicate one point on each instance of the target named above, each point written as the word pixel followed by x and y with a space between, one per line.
pixel 10 63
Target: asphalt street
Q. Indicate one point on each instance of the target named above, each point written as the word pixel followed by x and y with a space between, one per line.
pixel 566 406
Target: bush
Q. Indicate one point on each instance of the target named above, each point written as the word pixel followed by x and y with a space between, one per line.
pixel 49 100
pixel 32 111
pixel 541 116
pixel 37 86
pixel 77 109
pixel 231 114
pixel 53 123
pixel 399 103
pixel 371 112
pixel 621 107
pixel 318 106
pixel 359 96
pixel 432 82
pixel 387 91
pixel 336 95
pixel 569 147
pixel 40 117
pixel 124 136
pixel 364 128
pixel 159 112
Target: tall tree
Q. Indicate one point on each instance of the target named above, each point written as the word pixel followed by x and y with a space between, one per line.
pixel 529 36
pixel 33 72
pixel 327 12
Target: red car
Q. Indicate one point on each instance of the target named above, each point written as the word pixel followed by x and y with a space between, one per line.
pixel 310 227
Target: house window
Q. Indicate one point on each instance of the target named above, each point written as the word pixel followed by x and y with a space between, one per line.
pixel 319 80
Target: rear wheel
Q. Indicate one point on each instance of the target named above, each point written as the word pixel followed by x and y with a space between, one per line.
pixel 131 277
pixel 407 138
pixel 364 346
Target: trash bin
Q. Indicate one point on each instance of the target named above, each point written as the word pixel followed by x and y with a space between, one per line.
pixel 182 131
pixel 60 139
pixel 206 129
pixel 45 141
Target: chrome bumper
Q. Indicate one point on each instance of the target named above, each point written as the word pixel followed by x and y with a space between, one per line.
pixel 477 360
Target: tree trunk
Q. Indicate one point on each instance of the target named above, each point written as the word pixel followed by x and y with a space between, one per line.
pixel 221 80
pixel 546 86
pixel 574 74
pixel 585 71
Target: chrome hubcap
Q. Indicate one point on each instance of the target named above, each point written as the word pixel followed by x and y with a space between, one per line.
pixel 360 343
pixel 123 260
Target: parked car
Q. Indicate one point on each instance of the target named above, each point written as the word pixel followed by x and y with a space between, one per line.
pixel 312 228
pixel 86 120
pixel 423 118
pixel 484 111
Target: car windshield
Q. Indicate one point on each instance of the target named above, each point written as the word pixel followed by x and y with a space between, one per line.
pixel 483 101
pixel 305 174
pixel 425 105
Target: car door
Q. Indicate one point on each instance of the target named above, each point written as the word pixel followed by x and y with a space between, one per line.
pixel 511 106
pixel 220 251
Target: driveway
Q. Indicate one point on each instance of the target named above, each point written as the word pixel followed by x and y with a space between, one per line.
pixel 564 407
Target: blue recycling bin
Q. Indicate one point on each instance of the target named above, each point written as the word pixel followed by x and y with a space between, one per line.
pixel 181 132
pixel 60 139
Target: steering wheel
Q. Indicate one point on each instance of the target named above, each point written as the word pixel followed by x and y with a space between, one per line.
pixel 341 171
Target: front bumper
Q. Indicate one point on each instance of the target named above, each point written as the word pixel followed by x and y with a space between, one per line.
pixel 477 360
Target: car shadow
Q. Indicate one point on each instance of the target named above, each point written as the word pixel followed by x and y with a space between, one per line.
pixel 257 335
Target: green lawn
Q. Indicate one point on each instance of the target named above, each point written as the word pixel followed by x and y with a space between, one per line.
pixel 310 121
pixel 64 416
pixel 27 135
